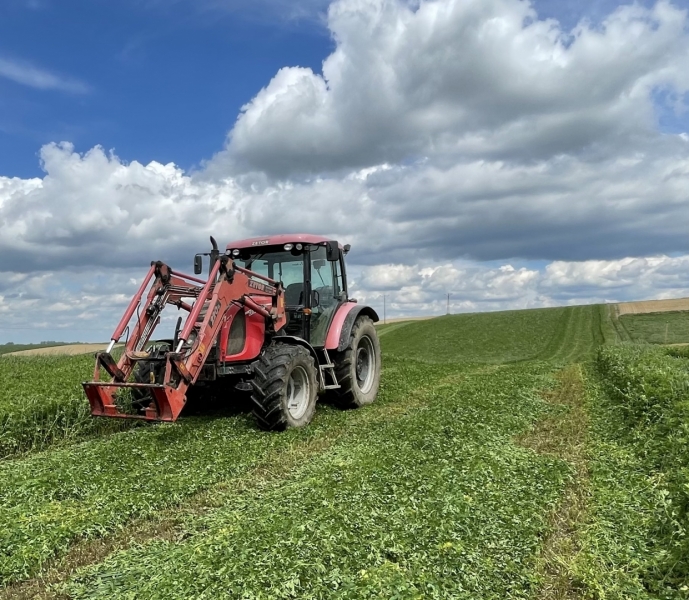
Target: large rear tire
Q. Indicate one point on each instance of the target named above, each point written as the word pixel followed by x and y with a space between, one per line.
pixel 357 368
pixel 285 387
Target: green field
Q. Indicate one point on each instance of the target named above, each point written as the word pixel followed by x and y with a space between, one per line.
pixel 658 328
pixel 522 454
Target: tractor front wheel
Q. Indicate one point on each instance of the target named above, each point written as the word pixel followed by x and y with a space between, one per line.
pixel 285 387
pixel 357 368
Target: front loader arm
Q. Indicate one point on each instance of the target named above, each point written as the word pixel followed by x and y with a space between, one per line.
pixel 234 285
pixel 226 284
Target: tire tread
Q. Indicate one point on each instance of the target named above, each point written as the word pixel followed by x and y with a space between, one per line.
pixel 270 378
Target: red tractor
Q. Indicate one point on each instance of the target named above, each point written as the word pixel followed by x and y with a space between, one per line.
pixel 273 319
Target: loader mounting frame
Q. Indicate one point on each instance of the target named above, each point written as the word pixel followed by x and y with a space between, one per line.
pixel 227 284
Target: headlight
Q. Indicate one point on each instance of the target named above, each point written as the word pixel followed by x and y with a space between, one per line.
pixel 235 252
pixel 288 247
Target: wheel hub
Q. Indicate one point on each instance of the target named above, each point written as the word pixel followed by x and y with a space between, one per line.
pixel 365 364
pixel 298 392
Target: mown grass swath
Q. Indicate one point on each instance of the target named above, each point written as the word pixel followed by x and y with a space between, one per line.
pixel 452 509
pixel 581 330
pixel 42 403
pixel 480 338
pixel 612 330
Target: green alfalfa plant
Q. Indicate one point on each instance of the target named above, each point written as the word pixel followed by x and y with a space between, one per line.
pixel 646 404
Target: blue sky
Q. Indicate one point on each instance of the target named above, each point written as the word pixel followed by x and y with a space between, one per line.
pixel 162 81
pixel 468 147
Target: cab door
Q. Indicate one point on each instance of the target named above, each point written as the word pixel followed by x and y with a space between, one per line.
pixel 292 270
pixel 324 297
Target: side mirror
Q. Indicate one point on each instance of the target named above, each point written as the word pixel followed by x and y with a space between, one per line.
pixel 198 264
pixel 315 299
pixel 332 251
pixel 347 248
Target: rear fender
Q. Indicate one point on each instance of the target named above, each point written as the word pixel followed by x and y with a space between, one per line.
pixel 297 341
pixel 343 321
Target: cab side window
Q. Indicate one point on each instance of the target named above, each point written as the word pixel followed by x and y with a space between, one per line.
pixel 339 283
pixel 322 277
pixel 324 288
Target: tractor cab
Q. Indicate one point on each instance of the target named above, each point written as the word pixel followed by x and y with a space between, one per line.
pixel 312 272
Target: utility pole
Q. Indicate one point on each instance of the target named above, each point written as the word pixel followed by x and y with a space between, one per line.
pixel 384 318
pixel 448 304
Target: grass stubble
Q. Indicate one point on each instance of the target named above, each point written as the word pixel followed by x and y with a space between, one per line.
pixel 563 433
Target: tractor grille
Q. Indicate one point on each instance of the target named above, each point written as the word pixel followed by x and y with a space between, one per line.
pixel 235 343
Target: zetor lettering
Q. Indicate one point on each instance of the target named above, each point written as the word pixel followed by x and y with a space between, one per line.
pixel 273 320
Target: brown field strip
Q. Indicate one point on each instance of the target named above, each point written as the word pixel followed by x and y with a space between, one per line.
pixel 66 350
pixel 652 306
pixel 405 319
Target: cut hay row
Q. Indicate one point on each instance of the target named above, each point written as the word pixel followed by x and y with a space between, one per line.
pixel 636 541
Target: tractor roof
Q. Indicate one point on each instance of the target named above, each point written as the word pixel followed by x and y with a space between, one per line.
pixel 276 240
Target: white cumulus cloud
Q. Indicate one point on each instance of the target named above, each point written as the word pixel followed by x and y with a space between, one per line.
pixel 452 78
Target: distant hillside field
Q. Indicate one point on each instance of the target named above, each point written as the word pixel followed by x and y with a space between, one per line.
pixel 60 349
pixel 657 328
pixel 11 348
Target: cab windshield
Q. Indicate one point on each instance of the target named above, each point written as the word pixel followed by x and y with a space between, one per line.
pixel 281 266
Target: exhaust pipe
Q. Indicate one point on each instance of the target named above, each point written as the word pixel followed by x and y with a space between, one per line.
pixel 215 254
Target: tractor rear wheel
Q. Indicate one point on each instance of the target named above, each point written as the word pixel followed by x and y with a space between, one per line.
pixel 285 387
pixel 357 368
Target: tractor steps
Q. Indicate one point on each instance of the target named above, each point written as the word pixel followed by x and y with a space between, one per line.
pixel 328 367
